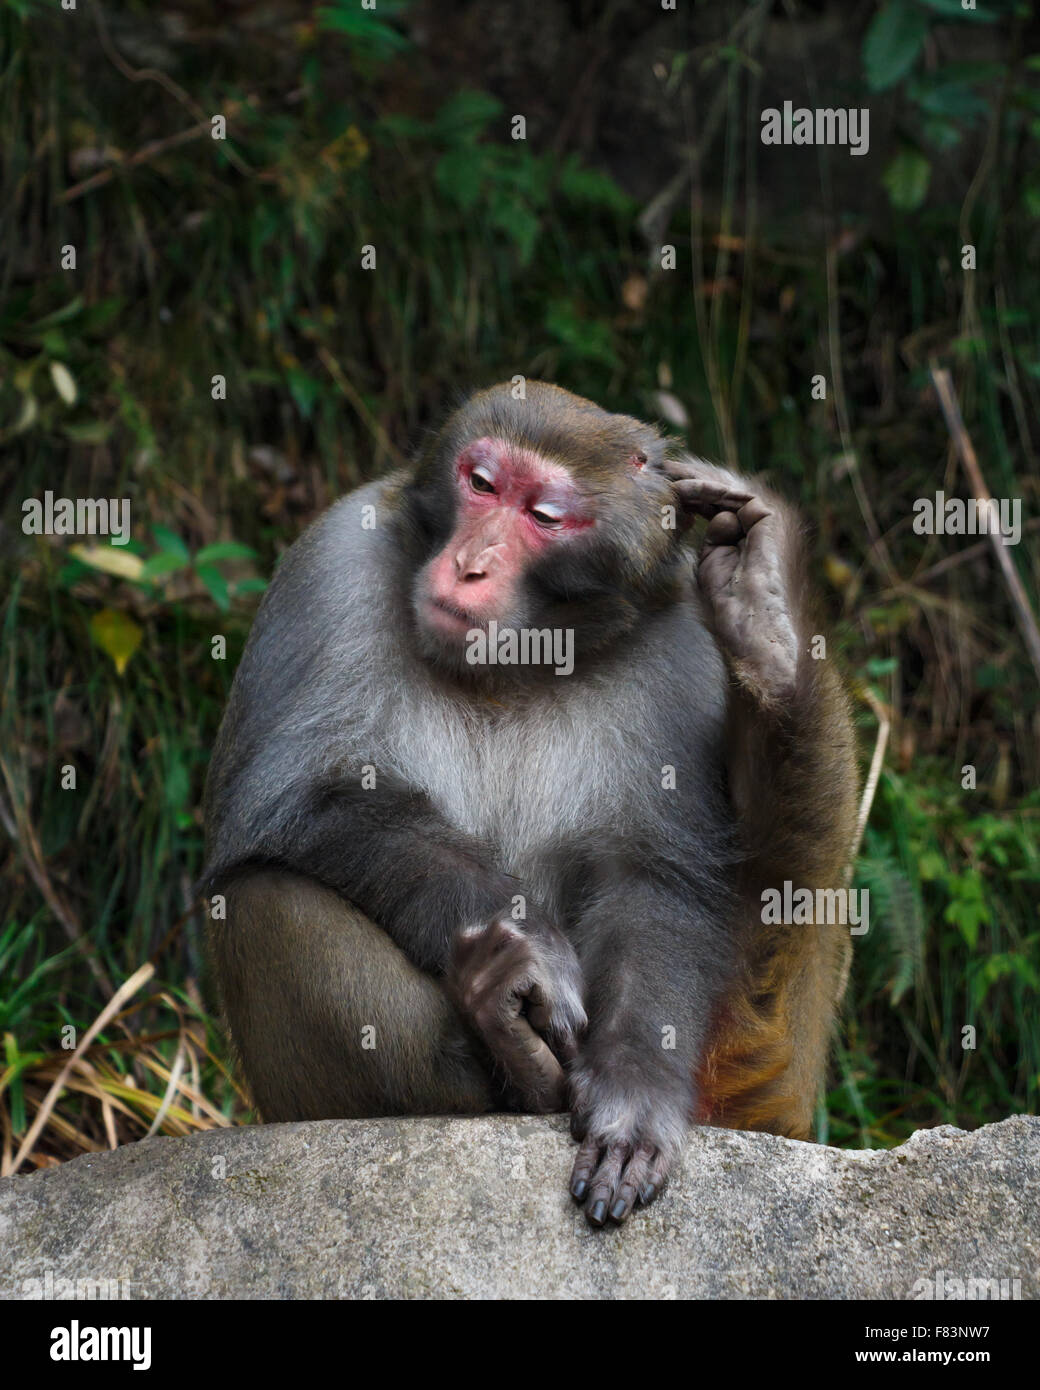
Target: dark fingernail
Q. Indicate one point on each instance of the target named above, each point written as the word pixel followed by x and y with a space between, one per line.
pixel 648 1194
pixel 598 1214
pixel 619 1210
pixel 578 1189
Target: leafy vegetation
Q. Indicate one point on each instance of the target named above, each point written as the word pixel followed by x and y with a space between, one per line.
pixel 219 356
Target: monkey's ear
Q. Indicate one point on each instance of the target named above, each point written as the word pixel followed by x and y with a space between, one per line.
pixel 636 459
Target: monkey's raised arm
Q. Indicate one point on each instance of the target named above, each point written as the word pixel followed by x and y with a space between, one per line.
pixel 791 757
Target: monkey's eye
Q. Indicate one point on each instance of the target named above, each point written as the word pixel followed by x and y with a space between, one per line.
pixel 480 482
pixel 547 514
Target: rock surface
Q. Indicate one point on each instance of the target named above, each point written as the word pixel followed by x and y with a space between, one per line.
pixel 477 1208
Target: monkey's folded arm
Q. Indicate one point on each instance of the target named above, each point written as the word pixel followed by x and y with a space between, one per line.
pixel 390 853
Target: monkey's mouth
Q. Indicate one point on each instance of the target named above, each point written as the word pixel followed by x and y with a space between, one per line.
pixel 447 617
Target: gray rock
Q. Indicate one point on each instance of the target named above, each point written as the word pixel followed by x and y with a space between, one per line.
pixel 478 1208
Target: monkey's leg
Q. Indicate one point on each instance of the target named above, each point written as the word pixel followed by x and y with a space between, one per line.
pixel 329 1017
pixel 768 1055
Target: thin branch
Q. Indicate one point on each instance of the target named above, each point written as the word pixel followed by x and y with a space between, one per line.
pixel 350 391
pixel 167 83
pixel 122 994
pixel 23 834
pixel 873 778
pixel 1016 589
pixel 151 151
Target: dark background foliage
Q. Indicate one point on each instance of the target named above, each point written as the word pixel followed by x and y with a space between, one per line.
pixel 242 258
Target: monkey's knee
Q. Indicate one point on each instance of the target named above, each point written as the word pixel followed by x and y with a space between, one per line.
pixel 329 1017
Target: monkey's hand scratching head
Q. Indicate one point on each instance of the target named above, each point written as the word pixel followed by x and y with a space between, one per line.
pixel 748 557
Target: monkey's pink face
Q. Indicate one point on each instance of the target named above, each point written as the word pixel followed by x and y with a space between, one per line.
pixel 512 505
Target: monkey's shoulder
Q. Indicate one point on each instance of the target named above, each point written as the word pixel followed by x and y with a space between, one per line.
pixel 348 537
pixel 335 569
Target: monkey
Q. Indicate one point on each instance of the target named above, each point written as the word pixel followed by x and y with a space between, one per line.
pixel 455 880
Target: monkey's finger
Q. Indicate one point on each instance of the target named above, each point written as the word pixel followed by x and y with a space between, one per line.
pixel 708 480
pixel 565 1044
pixel 708 496
pixel 633 1180
pixel 724 529
pixel 655 1180
pixel 692 502
pixel 605 1183
pixel 753 511
pixel 530 1065
pixel 545 1018
pixel 585 1165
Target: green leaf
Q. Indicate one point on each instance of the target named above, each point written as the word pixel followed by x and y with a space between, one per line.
pixel 54 342
pixel 520 225
pixel 304 390
pixel 930 865
pixel 216 586
pixel 941 133
pixel 466 116
pixel 89 432
pixel 589 340
pixel 177 783
pixel 906 179
pixel 592 187
pixel 942 95
pixel 62 315
pixel 459 175
pixel 253 585
pixel 170 541
pixel 364 27
pixel 894 39
pixel 166 562
pixel 225 550
pixel 99 316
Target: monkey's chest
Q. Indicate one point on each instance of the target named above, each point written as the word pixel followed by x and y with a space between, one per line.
pixel 522 786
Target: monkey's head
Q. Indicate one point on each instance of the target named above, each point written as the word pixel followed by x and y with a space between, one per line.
pixel 541 513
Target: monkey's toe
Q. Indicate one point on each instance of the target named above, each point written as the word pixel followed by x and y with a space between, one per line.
pixel 611 1179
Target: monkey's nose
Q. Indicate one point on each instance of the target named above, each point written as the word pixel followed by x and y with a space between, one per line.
pixel 473 567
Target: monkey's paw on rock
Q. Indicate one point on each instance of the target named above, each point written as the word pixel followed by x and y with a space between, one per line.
pixel 478 1208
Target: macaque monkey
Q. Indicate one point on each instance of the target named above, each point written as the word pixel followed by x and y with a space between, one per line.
pixel 505 771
